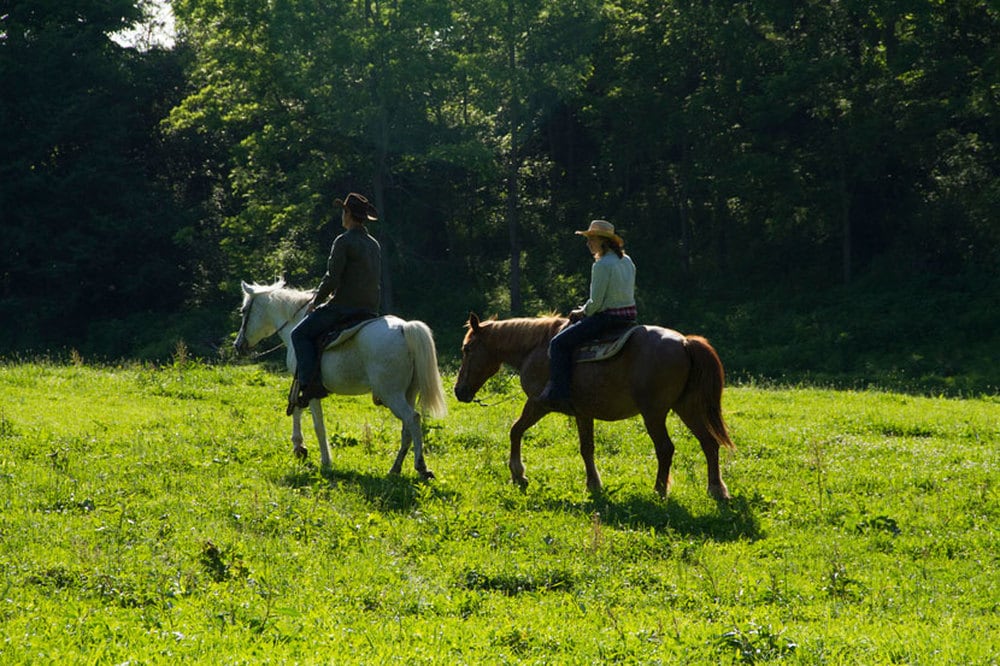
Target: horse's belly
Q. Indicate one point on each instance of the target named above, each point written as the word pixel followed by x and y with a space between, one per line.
pixel 362 366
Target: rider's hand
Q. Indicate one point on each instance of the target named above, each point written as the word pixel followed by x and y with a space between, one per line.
pixel 576 315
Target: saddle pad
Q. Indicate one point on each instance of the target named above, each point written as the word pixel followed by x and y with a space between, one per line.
pixel 605 348
pixel 340 337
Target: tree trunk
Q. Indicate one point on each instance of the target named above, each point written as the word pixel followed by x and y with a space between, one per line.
pixel 844 197
pixel 512 169
pixel 378 187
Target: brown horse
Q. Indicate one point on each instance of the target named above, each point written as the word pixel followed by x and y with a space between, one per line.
pixel 657 370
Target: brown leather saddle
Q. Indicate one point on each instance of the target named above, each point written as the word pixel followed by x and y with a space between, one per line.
pixel 605 346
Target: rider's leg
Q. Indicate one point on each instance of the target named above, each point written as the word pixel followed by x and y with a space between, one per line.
pixel 561 355
pixel 304 343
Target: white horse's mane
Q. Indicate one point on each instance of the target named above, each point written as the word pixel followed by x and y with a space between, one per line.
pixel 280 290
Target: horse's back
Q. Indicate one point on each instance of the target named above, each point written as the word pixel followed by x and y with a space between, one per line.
pixel 651 369
pixel 662 335
pixel 657 351
pixel 371 356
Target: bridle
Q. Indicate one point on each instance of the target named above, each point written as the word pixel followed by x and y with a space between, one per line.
pixel 246 318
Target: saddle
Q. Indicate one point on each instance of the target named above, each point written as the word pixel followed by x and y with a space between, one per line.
pixel 339 334
pixel 344 330
pixel 605 346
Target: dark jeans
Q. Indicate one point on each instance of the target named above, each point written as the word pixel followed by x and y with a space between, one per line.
pixel 306 334
pixel 562 345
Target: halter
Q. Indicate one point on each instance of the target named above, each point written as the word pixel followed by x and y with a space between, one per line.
pixel 246 317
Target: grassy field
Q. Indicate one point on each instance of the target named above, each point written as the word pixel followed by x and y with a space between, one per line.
pixel 156 515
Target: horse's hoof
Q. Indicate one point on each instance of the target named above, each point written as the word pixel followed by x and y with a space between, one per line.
pixel 720 497
pixel 720 493
pixel 300 452
pixel 427 475
pixel 522 483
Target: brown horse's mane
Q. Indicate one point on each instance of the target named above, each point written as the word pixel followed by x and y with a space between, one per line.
pixel 521 333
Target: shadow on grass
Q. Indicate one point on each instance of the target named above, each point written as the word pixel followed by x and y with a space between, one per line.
pixel 391 493
pixel 731 521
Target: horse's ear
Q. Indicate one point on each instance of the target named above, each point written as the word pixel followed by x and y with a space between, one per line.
pixel 474 322
pixel 247 289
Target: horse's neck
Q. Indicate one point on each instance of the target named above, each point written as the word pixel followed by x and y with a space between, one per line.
pixel 515 349
pixel 289 309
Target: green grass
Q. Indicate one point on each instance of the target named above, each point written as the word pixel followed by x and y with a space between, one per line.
pixel 156 515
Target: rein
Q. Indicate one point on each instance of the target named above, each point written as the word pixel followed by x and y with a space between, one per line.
pixel 257 355
pixel 483 403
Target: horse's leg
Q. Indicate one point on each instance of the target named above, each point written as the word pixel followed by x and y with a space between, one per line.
pixel 298 448
pixel 656 426
pixel 405 412
pixel 585 429
pixel 405 439
pixel 709 445
pixel 316 408
pixel 531 413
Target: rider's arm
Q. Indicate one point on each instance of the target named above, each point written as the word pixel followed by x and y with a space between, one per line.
pixel 599 277
pixel 334 270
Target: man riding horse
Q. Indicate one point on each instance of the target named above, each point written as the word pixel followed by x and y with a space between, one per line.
pixel 353 278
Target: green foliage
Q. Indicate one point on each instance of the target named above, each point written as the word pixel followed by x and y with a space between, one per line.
pixel 923 335
pixel 87 221
pixel 156 514
pixel 737 145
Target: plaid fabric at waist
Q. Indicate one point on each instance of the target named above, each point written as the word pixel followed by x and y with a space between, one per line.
pixel 628 312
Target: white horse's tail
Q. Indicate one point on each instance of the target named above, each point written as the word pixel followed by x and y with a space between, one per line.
pixel 420 342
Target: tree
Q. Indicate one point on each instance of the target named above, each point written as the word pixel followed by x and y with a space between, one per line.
pixel 88 230
pixel 316 99
pixel 525 62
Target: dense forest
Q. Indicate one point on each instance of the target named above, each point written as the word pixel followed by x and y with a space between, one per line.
pixel 813 185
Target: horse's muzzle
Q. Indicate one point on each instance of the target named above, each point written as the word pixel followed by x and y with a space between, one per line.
pixel 464 394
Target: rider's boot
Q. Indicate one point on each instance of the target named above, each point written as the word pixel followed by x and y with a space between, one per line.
pixel 293 397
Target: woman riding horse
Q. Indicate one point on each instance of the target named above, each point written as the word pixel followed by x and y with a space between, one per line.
pixel 611 304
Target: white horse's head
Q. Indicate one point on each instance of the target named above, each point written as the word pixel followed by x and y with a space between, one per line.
pixel 256 314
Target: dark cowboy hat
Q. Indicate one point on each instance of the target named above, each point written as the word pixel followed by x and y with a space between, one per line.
pixel 360 207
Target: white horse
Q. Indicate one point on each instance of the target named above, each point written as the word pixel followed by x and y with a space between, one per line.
pixel 393 359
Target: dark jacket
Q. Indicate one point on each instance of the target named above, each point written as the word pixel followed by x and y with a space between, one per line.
pixel 353 272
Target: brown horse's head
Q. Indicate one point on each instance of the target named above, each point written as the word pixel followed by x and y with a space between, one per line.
pixel 479 361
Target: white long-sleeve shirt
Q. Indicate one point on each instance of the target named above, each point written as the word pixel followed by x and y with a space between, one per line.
pixel 612 284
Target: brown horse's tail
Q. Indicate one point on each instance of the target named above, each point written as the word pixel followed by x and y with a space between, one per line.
pixel 703 390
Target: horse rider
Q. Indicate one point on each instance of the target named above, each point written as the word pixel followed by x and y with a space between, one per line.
pixel 353 278
pixel 611 305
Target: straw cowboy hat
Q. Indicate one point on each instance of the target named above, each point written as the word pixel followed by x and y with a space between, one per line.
pixel 360 207
pixel 603 229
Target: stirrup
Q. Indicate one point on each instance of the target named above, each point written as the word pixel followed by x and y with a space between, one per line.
pixel 555 404
pixel 311 391
pixel 293 398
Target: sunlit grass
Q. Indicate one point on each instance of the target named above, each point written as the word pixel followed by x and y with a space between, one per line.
pixel 151 515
